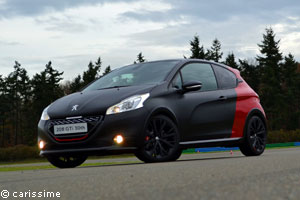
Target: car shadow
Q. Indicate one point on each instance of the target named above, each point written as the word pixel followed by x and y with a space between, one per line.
pixel 177 161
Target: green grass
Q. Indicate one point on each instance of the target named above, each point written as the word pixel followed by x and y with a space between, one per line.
pixel 8 169
pixel 43 159
pixel 46 167
pixel 279 145
pixel 27 161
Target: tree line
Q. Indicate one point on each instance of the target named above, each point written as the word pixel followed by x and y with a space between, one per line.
pixel 276 78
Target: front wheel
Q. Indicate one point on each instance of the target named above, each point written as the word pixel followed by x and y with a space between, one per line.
pixel 66 161
pixel 255 137
pixel 160 141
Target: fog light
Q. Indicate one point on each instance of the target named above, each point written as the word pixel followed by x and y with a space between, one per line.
pixel 118 139
pixel 41 144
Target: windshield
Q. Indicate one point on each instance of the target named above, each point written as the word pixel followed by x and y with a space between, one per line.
pixel 136 74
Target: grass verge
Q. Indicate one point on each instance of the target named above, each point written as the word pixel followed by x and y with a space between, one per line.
pixel 45 167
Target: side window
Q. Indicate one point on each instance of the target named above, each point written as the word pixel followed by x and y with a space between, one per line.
pixel 200 72
pixel 177 83
pixel 226 79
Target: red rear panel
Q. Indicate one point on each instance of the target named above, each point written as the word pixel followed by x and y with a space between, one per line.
pixel 246 100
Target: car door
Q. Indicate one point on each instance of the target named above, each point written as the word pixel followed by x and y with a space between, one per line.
pixel 227 82
pixel 200 112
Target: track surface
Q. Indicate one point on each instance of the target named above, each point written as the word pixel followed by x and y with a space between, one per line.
pixel 274 175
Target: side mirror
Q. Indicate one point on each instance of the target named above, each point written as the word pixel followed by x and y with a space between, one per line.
pixel 192 86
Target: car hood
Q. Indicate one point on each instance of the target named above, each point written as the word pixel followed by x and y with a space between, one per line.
pixel 92 103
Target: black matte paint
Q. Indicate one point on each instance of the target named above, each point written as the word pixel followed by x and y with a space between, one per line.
pixel 198 115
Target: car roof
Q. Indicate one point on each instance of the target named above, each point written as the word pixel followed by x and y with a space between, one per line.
pixel 185 60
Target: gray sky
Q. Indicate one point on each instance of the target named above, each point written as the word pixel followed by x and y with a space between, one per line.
pixel 70 33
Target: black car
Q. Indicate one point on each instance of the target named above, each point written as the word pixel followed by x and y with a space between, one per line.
pixel 155 110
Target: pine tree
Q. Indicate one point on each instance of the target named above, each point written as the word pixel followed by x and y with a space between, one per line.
pixel 107 70
pixel 3 110
pixel 288 70
pixel 214 53
pixel 76 84
pixel 46 88
pixel 140 58
pixel 53 78
pixel 270 50
pixel 98 63
pixel 250 73
pixel 6 117
pixel 270 88
pixel 291 90
pixel 230 61
pixel 92 73
pixel 18 94
pixel 87 77
pixel 196 49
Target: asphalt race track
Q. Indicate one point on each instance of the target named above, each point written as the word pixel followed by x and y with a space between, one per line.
pixel 274 175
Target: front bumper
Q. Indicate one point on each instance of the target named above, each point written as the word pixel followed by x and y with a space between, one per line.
pixel 100 140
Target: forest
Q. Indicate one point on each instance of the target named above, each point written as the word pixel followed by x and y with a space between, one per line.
pixel 273 75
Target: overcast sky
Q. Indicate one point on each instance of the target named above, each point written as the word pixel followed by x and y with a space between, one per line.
pixel 70 33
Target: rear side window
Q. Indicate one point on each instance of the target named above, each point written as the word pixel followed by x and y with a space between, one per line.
pixel 200 72
pixel 226 79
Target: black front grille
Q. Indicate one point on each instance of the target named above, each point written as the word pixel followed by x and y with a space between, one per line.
pixel 92 122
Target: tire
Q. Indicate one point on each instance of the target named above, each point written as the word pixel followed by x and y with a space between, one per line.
pixel 66 161
pixel 160 141
pixel 255 136
pixel 177 155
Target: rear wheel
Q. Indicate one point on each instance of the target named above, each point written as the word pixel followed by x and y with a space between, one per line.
pixel 66 161
pixel 160 141
pixel 255 137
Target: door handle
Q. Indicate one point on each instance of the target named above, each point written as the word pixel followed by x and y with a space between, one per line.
pixel 222 98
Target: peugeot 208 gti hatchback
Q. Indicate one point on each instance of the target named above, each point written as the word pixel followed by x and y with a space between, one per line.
pixel 155 110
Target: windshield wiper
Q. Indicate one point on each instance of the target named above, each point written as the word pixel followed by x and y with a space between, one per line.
pixel 117 86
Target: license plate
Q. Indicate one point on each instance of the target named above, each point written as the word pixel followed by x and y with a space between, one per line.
pixel 70 128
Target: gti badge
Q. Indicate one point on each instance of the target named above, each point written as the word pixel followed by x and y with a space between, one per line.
pixel 74 108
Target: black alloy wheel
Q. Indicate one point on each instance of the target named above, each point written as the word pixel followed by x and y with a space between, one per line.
pixel 66 161
pixel 160 141
pixel 255 137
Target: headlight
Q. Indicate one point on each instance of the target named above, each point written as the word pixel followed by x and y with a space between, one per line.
pixel 128 104
pixel 45 115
